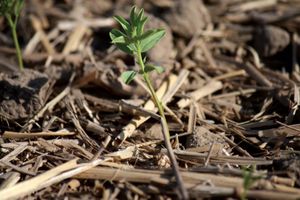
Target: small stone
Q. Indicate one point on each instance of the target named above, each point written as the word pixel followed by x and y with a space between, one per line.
pixel 155 132
pixel 187 17
pixel 74 184
pixel 269 40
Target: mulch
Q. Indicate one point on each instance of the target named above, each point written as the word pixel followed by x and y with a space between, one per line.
pixel 70 129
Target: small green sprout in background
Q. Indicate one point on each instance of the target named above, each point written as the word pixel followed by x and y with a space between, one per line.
pixel 11 10
pixel 248 180
pixel 134 41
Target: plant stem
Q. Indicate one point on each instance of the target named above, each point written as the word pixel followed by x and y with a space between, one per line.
pixel 13 26
pixel 166 132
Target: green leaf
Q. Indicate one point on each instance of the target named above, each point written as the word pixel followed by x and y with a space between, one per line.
pixel 116 37
pixel 133 16
pixel 120 39
pixel 18 6
pixel 140 15
pixel 145 59
pixel 131 47
pixel 125 24
pixel 128 76
pixel 151 38
pixel 150 67
pixel 141 24
pixel 115 33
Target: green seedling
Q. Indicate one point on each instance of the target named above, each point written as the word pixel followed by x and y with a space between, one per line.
pixel 11 9
pixel 248 180
pixel 135 41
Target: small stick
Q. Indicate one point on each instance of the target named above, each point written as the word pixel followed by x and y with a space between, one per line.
pixel 173 115
pixel 45 41
pixel 173 160
pixel 192 118
pixel 16 168
pixel 15 135
pixel 207 89
pixel 209 153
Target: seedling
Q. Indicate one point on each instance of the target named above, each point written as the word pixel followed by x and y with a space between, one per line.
pixel 249 180
pixel 11 10
pixel 135 41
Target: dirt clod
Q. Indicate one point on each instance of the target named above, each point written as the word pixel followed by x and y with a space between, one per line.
pixel 187 17
pixel 22 93
pixel 270 40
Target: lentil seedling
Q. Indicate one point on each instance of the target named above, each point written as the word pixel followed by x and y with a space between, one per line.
pixel 135 41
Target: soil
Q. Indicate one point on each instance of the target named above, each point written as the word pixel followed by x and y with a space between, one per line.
pixel 23 93
pixel 71 129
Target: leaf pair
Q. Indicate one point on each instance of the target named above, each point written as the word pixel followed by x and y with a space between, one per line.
pixel 128 76
pixel 150 68
pixel 18 7
pixel 138 20
pixel 119 39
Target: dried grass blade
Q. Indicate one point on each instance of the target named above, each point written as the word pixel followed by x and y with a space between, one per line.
pixel 26 187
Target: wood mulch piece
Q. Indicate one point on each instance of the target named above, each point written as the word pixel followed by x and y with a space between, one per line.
pixel 71 129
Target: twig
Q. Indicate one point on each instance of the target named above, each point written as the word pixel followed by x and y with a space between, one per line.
pixel 207 89
pixel 14 135
pixel 174 163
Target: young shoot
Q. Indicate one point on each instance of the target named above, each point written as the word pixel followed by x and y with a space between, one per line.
pixel 249 180
pixel 132 39
pixel 11 9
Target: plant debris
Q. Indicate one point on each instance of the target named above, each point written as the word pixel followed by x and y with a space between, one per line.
pixel 70 128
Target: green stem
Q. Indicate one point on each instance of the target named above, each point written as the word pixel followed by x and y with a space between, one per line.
pixel 150 87
pixel 166 132
pixel 13 26
pixel 156 101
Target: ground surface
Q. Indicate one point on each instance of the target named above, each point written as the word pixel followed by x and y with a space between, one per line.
pixel 70 129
